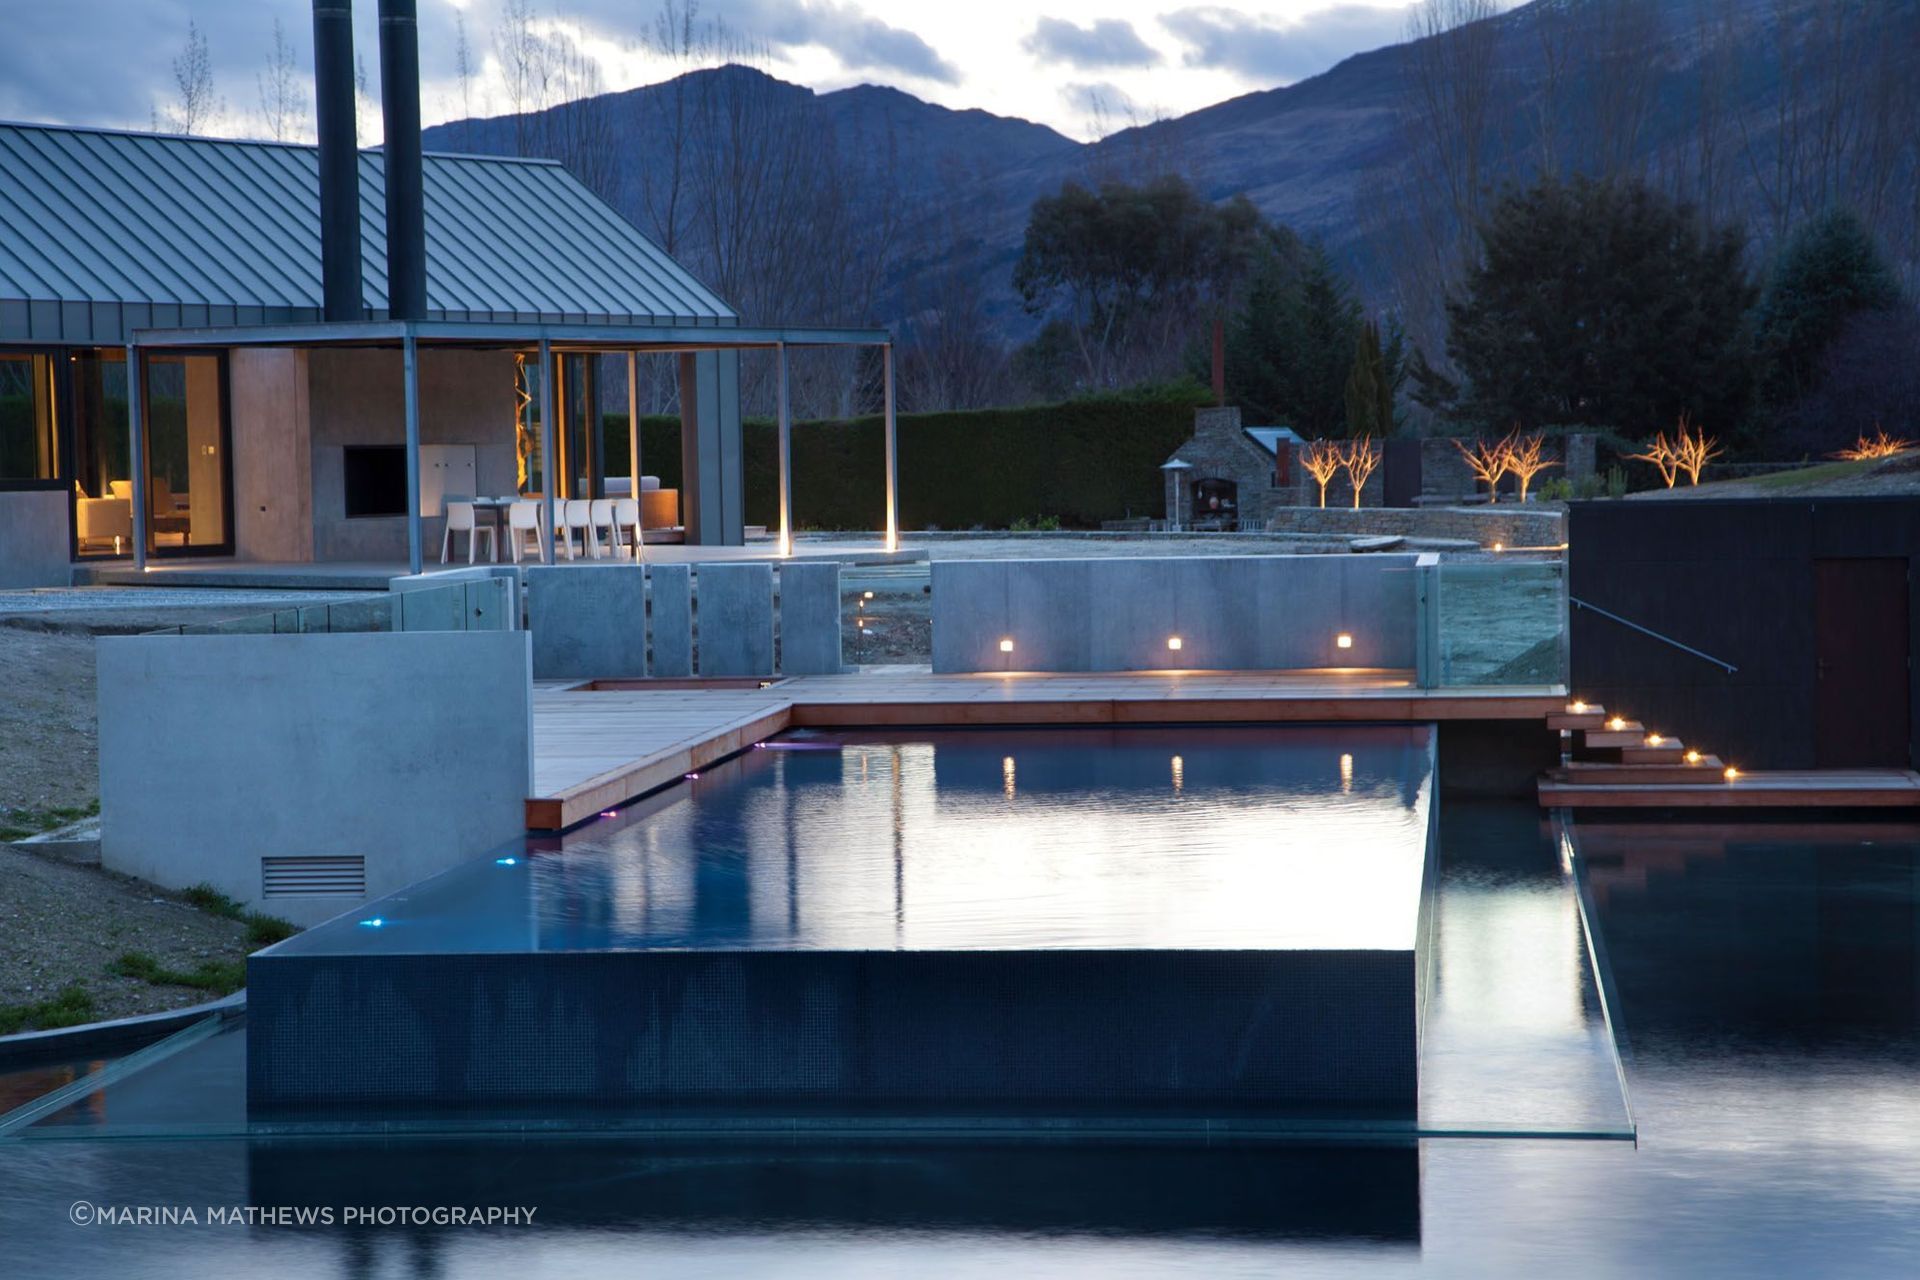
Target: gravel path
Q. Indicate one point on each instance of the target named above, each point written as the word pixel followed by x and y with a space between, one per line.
pixel 61 925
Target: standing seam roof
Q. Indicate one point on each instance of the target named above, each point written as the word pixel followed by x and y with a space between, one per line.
pixel 91 217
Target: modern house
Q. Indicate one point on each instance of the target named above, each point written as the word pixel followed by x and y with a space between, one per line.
pixel 270 434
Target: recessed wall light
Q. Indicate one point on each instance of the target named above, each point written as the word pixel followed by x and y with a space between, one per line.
pixel 1343 641
pixel 1006 646
pixel 1173 642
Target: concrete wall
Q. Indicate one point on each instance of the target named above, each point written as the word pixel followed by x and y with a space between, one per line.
pixel 1509 526
pixel 1235 613
pixel 466 397
pixel 412 750
pixel 713 502
pixel 588 621
pixel 272 455
pixel 34 538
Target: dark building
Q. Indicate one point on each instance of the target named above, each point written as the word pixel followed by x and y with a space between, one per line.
pixel 1809 601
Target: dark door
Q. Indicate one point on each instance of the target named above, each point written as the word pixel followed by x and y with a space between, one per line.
pixel 1400 468
pixel 1860 643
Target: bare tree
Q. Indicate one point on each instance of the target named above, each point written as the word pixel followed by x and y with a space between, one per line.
pixel 556 94
pixel 365 110
pixel 463 71
pixel 1623 39
pixel 283 98
pixel 194 103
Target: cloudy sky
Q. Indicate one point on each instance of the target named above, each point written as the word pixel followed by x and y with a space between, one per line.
pixel 1082 66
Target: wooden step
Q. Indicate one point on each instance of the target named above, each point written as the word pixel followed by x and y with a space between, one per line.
pixel 1761 789
pixel 1669 750
pixel 1590 772
pixel 1594 717
pixel 1631 734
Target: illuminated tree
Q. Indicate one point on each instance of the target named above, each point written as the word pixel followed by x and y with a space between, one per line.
pixel 1524 460
pixel 1360 458
pixel 1489 460
pixel 1880 445
pixel 1664 457
pixel 1321 459
pixel 1693 451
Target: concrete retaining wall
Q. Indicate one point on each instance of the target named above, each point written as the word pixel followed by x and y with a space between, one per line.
pixel 810 619
pixel 1510 526
pixel 1231 613
pixel 672 619
pixel 588 620
pixel 412 751
pixel 33 538
pixel 736 619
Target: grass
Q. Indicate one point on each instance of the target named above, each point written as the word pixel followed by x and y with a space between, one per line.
pixel 262 930
pixel 19 824
pixel 221 977
pixel 1818 474
pixel 69 1008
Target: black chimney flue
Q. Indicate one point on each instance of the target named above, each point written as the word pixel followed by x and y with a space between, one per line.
pixel 339 159
pixel 400 111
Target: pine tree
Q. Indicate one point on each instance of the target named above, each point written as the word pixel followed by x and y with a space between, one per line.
pixel 1363 384
pixel 1828 271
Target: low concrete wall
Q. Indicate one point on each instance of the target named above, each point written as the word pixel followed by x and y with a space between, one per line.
pixel 810 619
pixel 672 592
pixel 736 619
pixel 588 621
pixel 34 548
pixel 411 751
pixel 1231 613
pixel 1508 526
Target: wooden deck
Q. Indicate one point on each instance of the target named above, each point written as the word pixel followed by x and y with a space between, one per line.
pixel 595 748
pixel 1761 789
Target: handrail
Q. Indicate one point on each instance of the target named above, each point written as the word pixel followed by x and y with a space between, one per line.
pixel 1578 603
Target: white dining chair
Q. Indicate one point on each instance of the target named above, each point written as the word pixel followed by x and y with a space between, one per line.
pixel 626 520
pixel 600 516
pixel 523 519
pixel 460 519
pixel 578 515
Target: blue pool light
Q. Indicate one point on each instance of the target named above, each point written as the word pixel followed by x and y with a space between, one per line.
pixel 506 862
pixel 374 923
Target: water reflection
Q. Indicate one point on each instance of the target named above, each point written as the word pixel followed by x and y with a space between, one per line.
pixel 1182 837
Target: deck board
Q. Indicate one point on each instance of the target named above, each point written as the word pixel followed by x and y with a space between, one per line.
pixel 1759 789
pixel 594 749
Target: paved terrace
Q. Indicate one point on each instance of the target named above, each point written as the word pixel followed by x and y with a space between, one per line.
pixel 599 744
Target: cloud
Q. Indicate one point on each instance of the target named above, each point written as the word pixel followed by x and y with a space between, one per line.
pixel 1102 106
pixel 1109 42
pixel 1263 49
pixel 858 40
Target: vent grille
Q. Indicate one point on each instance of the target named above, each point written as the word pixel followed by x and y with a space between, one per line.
pixel 313 877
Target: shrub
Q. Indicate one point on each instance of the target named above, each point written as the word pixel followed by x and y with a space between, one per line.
pixel 71 1007
pixel 222 977
pixel 1085 461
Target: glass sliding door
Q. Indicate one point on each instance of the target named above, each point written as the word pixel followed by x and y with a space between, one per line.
pixel 102 469
pixel 186 426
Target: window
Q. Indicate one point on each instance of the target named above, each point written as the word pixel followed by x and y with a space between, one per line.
pixel 376 480
pixel 27 439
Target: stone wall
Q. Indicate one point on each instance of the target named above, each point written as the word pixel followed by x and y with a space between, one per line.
pixel 1444 472
pixel 1508 525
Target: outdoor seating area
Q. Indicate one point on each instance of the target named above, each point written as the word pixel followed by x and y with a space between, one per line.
pixel 586 528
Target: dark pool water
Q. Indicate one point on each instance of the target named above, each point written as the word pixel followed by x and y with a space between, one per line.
pixel 1765 980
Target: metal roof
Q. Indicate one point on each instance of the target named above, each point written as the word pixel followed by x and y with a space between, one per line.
pixel 1269 438
pixel 103 232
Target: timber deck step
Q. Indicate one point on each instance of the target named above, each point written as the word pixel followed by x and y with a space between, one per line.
pixel 1588 772
pixel 1785 788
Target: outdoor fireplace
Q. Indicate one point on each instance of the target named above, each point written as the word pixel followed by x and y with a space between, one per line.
pixel 1216 504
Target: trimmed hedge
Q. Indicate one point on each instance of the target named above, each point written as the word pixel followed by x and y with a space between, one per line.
pixel 1083 461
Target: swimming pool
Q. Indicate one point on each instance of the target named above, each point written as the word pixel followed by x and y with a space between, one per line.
pixel 1009 927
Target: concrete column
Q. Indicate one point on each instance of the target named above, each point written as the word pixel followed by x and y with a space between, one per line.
pixel 810 619
pixel 672 594
pixel 736 619
pixel 711 491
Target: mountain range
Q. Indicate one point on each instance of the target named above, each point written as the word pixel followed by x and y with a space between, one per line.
pixel 1705 96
